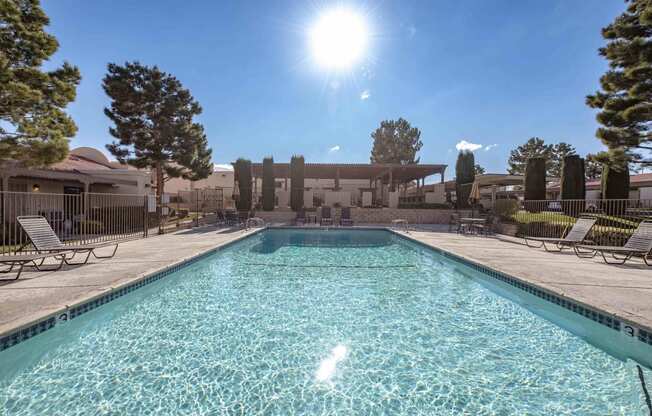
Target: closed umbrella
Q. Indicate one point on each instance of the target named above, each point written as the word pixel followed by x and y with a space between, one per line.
pixel 474 196
pixel 236 190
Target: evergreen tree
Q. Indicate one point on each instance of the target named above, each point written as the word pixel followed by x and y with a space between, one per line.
pixel 625 98
pixel 396 141
pixel 269 184
pixel 297 174
pixel 34 129
pixel 533 148
pixel 559 152
pixel 592 168
pixel 464 177
pixel 242 175
pixel 153 122
pixel 479 170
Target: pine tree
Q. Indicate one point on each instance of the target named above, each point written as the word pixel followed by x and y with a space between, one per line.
pixel 559 152
pixel 34 129
pixel 479 170
pixel 153 122
pixel 534 147
pixel 625 98
pixel 396 141
pixel 592 168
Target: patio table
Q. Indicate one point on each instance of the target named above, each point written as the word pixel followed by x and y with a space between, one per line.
pixel 467 223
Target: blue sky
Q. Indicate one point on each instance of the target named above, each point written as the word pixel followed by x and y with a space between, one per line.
pixel 492 73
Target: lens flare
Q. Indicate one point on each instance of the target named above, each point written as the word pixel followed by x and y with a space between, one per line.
pixel 339 39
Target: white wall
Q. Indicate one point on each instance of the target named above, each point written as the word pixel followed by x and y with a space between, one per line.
pixel 645 193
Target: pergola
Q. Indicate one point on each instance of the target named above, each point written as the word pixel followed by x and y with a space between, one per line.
pixel 387 173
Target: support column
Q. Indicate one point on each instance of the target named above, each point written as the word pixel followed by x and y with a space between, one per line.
pixel 391 180
pixel 286 184
pixel 5 183
pixel 493 196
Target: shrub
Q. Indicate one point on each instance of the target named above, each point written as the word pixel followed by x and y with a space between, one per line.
pixel 573 185
pixel 464 177
pixel 297 171
pixel 242 173
pixel 269 186
pixel 535 179
pixel 505 209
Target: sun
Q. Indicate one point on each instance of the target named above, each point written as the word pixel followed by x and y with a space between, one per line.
pixel 339 38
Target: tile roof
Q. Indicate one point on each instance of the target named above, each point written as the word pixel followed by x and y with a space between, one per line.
pixel 76 163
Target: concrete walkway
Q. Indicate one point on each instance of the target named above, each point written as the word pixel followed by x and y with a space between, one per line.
pixel 38 294
pixel 624 291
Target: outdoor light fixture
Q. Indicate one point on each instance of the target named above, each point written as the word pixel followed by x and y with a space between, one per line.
pixel 36 187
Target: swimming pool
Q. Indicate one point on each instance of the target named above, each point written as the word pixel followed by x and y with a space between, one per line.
pixel 323 322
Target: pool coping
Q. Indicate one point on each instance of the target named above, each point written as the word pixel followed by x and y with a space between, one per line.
pixel 610 320
pixel 27 330
pixel 33 327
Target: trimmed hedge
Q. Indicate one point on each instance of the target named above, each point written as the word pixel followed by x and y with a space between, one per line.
pixel 297 172
pixel 535 179
pixel 242 173
pixel 269 186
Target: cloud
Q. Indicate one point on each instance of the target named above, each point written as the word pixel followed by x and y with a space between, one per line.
pixel 364 95
pixel 222 166
pixel 490 146
pixel 334 149
pixel 464 145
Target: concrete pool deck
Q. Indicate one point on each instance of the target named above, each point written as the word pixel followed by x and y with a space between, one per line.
pixel 622 291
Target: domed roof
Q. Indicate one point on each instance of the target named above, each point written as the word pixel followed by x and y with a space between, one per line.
pixel 91 154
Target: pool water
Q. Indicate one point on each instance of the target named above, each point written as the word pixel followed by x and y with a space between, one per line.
pixel 317 323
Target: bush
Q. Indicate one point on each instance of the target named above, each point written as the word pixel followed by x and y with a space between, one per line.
pixel 505 209
pixel 297 172
pixel 535 179
pixel 242 173
pixel 573 185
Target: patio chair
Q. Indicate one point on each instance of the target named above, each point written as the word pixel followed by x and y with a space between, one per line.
pixel 45 240
pixel 300 219
pixel 487 227
pixel 454 223
pixel 638 244
pixel 35 260
pixel 243 217
pixel 326 218
pixel 576 235
pixel 345 217
pixel 231 217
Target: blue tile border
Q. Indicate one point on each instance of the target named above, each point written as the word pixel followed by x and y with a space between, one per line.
pixel 602 318
pixel 75 311
pixel 72 312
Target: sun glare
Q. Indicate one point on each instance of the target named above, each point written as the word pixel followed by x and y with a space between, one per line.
pixel 339 38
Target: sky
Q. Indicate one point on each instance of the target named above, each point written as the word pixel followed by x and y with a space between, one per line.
pixel 476 74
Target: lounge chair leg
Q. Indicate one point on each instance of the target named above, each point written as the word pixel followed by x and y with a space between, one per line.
pixel 79 262
pixel 615 262
pixel 527 243
pixel 584 254
pixel 105 257
pixel 20 270
pixel 547 249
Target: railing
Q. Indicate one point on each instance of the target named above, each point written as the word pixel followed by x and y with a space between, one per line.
pixel 616 218
pixel 75 218
pixel 192 208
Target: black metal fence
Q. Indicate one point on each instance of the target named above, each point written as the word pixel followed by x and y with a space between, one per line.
pixel 616 218
pixel 192 208
pixel 79 218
